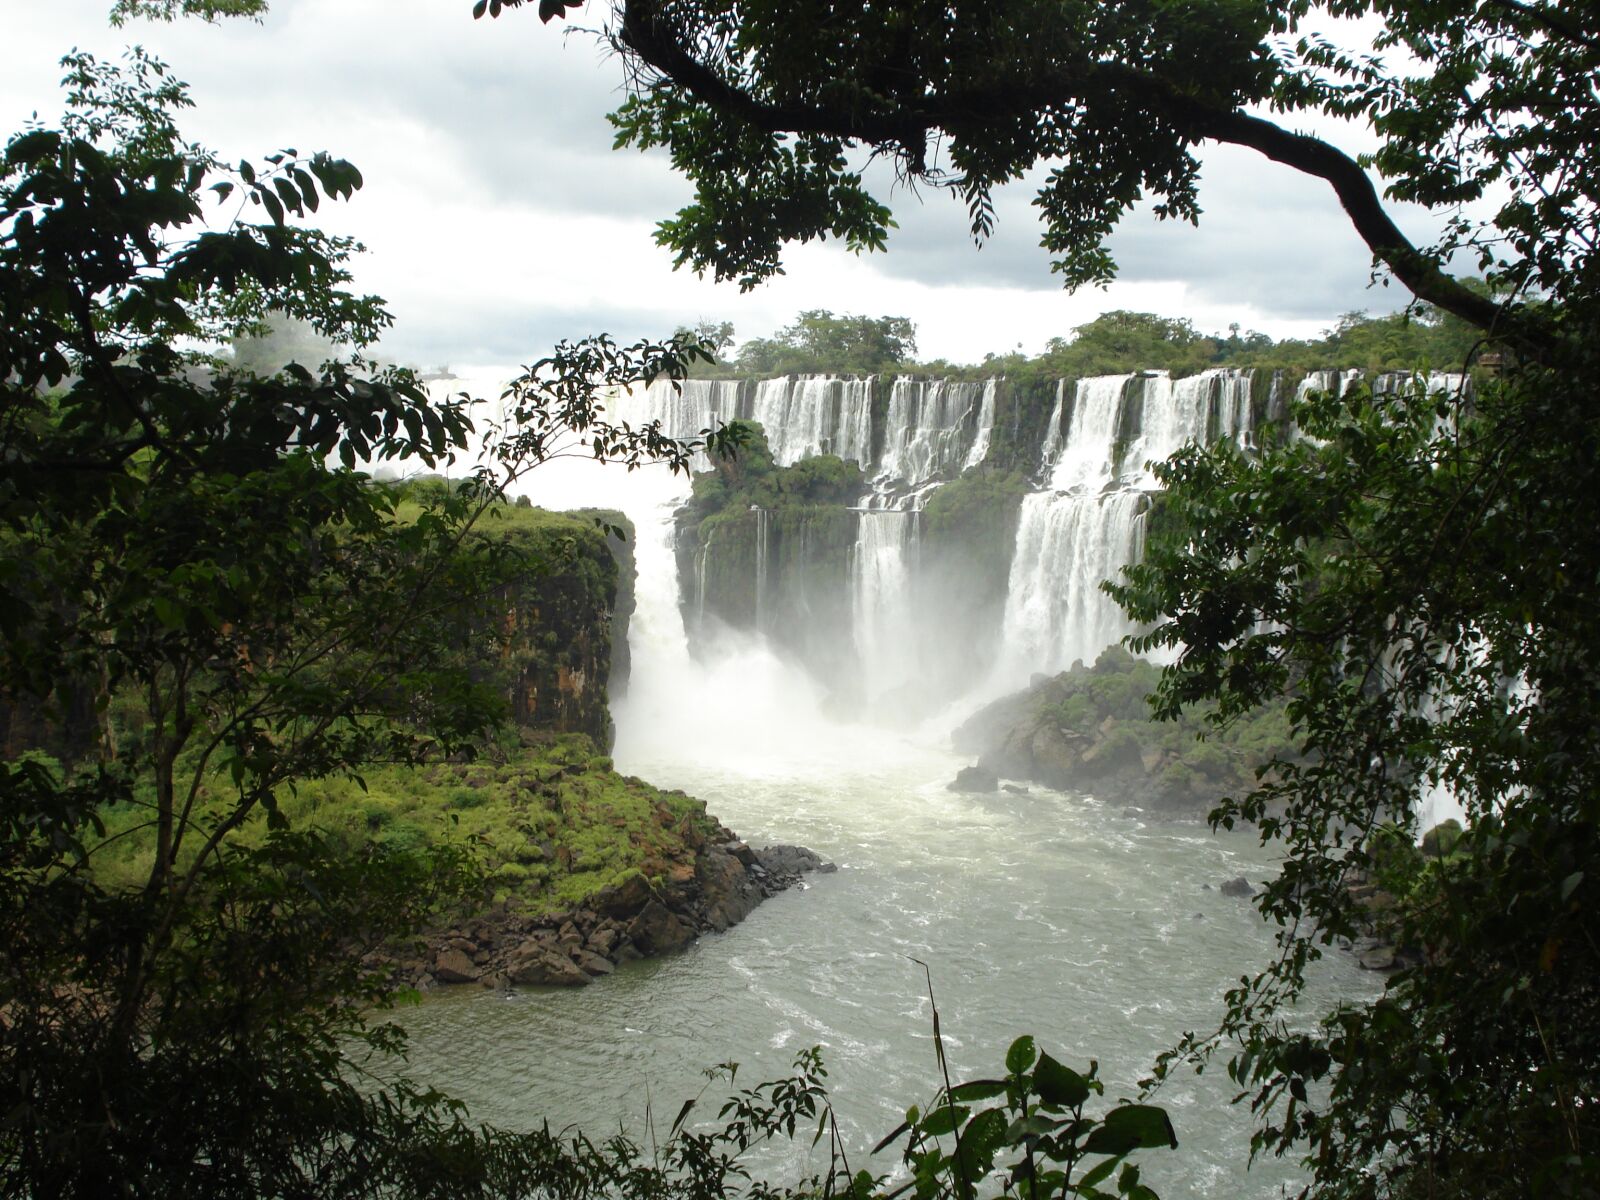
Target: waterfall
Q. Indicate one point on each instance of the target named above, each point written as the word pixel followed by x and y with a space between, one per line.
pixel 864 614
pixel 882 609
pixel 1087 452
pixel 927 429
pixel 761 567
pixel 1173 413
pixel 980 440
pixel 1052 431
pixel 683 409
pixel 808 415
pixel 1055 611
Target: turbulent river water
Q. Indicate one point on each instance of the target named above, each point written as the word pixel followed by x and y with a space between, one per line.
pixel 1097 928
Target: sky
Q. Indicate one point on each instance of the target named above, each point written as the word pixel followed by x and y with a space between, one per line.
pixel 498 219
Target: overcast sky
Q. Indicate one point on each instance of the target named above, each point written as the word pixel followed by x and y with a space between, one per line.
pixel 498 219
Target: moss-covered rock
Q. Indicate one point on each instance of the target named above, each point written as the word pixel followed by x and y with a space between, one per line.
pixel 562 620
pixel 1089 729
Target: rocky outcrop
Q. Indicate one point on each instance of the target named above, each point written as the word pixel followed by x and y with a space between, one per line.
pixel 566 625
pixel 1089 729
pixel 633 919
pixel 974 779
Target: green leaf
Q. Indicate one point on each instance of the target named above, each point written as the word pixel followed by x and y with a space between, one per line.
pixel 1130 1127
pixel 1057 1084
pixel 944 1119
pixel 1021 1055
pixel 1099 1174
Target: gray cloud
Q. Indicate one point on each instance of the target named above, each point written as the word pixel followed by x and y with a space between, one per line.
pixel 1267 239
pixel 488 333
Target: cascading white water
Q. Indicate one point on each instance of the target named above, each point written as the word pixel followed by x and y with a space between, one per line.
pixel 980 440
pixel 1055 611
pixel 1052 431
pixel 1174 412
pixel 763 517
pixel 927 429
pixel 815 414
pixel 1085 462
pixel 882 607
pixel 684 409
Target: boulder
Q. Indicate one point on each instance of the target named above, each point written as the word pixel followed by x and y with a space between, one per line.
pixel 1380 959
pixel 1053 755
pixel 791 862
pixel 727 892
pixel 625 899
pixel 1016 789
pixel 592 964
pixel 454 966
pixel 741 852
pixel 974 779
pixel 545 967
pixel 658 931
pixel 1239 886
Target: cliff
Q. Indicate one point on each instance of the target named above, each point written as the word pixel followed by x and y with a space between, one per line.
pixel 564 624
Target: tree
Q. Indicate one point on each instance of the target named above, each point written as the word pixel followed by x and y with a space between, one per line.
pixel 193 557
pixel 1119 341
pixel 760 104
pixel 1417 575
pixel 818 341
pixel 717 336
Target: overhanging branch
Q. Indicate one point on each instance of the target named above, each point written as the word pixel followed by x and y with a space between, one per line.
pixel 649 36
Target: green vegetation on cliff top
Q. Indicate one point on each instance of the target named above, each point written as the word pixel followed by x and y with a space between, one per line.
pixel 1113 343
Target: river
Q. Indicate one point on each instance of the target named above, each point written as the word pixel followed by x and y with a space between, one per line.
pixel 1097 928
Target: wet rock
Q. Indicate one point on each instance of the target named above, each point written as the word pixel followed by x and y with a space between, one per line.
pixel 545 967
pixel 625 900
pixel 974 779
pixel 1238 886
pixel 1379 959
pixel 790 862
pixel 592 964
pixel 728 893
pixel 658 931
pixel 740 851
pixel 1016 789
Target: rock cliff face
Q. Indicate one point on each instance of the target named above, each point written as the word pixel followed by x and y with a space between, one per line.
pixel 562 639
pixel 566 625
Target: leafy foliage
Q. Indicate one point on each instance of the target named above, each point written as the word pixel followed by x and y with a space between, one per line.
pixel 1411 570
pixel 1040 1124
pixel 761 104
pixel 818 341
pixel 194 551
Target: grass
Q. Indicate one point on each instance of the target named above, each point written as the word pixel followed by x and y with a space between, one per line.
pixel 550 819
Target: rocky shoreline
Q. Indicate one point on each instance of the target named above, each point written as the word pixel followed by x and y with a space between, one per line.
pixel 637 918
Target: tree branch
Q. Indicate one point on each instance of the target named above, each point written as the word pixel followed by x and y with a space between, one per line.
pixel 649 36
